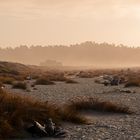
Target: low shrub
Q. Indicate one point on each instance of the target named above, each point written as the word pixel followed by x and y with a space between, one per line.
pixel 85 103
pixel 55 76
pixel 20 85
pixel 43 81
pixel 16 112
pixel 71 81
pixel 6 80
pixel 73 116
pixel 133 83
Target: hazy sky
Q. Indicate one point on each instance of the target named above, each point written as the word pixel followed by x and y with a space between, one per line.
pixel 51 22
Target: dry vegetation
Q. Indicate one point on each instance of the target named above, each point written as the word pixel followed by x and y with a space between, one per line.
pixel 44 81
pixel 6 80
pixel 16 112
pixel 89 103
pixel 133 81
pixel 128 77
pixel 48 78
pixel 55 76
pixel 20 85
pixel 99 72
pixel 71 81
pixel 11 72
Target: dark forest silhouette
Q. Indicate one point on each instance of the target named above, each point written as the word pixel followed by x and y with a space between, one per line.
pixel 84 54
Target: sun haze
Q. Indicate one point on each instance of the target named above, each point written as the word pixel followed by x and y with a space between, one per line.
pixel 66 22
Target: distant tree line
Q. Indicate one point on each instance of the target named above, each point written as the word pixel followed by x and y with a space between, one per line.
pixel 87 53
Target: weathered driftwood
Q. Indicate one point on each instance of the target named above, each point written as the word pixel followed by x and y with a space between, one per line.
pixel 37 130
pixel 48 130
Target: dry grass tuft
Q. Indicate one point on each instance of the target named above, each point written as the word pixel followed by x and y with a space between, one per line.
pixel 85 103
pixel 133 82
pixel 20 85
pixel 44 81
pixel 16 112
pixel 6 80
pixel 71 81
pixel 86 74
pixel 55 76
pixel 73 116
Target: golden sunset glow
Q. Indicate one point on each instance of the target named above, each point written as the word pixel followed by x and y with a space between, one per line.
pixel 49 22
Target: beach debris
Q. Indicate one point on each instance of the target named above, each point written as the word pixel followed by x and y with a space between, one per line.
pixel 37 130
pixel 127 91
pixel 53 130
pixel 115 81
pixel 2 86
pixel 49 129
pixel 107 77
pixel 102 80
pixel 106 82
pixel 112 80
pixel 28 77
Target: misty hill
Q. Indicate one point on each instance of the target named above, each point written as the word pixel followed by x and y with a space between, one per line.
pixel 84 54
pixel 13 68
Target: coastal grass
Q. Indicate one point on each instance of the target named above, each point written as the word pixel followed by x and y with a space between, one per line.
pixel 95 104
pixel 20 85
pixel 16 112
pixel 71 81
pixel 44 81
pixel 133 82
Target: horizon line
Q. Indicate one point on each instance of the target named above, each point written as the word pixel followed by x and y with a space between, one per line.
pixel 72 44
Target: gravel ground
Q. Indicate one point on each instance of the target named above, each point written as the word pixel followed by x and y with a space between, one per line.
pixel 105 126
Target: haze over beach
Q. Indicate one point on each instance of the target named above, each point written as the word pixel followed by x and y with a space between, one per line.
pixel 70 69
pixel 87 55
pixel 55 22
